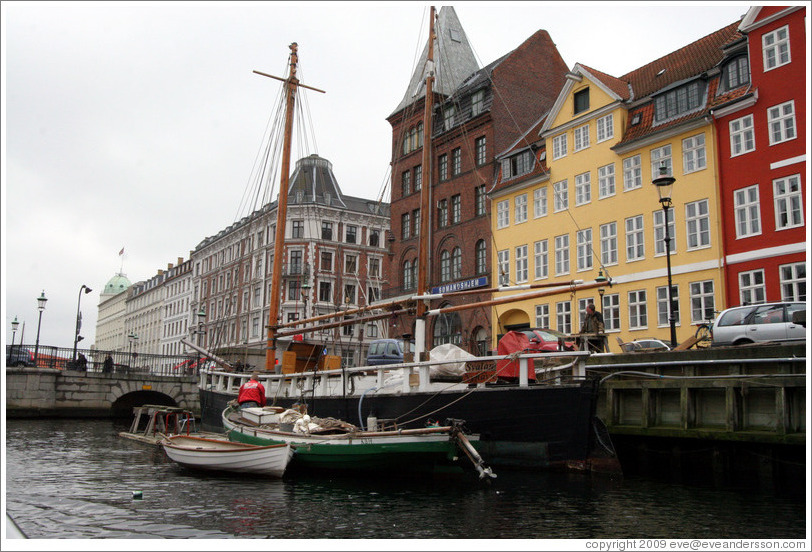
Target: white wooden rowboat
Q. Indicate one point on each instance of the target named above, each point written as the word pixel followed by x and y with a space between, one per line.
pixel 222 455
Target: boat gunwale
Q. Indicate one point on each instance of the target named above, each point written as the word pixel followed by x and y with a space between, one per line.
pixel 238 446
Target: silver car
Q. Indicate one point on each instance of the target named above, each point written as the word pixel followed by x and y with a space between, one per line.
pixel 758 324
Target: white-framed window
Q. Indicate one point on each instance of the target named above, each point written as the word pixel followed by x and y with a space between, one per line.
pixel 409 273
pixel 563 315
pixel 541 259
pixel 632 173
pixel 662 305
pixel 584 249
pixel 606 181
pixel 456 263
pixel 371 330
pixel 788 202
pixel 605 128
pixel 445 266
pixel 477 102
pixel 521 264
pixel 349 294
pixel 503 258
pixel 702 301
pixel 581 138
pixel 350 264
pixel 611 312
pixel 582 303
pixel 659 157
pixel 255 326
pixel 481 149
pixel 481 256
pixel 448 117
pixel 480 200
pixel 543 315
pixel 540 202
pixel 583 188
pixel 456 161
pixel 781 122
pixel 747 208
pixel 635 243
pixel 793 281
pixel 562 254
pixel 659 232
pixel 693 154
pixel 638 316
pixel 742 138
pixel 503 214
pixel 520 208
pixel 608 236
pixel 456 208
pixel 697 222
pixel 560 146
pixel 561 200
pixel 751 287
pixel 775 47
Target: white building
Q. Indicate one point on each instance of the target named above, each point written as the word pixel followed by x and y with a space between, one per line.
pixel 176 319
pixel 110 333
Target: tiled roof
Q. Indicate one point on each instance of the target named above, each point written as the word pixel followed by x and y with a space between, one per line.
pixel 616 85
pixel 689 61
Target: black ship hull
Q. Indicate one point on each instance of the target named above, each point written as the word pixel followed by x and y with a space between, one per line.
pixel 535 426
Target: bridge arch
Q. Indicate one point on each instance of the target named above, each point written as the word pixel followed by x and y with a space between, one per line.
pixel 122 407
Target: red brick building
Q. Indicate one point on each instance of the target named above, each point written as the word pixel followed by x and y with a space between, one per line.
pixel 477 113
pixel 760 119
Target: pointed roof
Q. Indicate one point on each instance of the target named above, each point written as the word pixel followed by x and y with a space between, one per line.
pixel 454 60
pixel 313 181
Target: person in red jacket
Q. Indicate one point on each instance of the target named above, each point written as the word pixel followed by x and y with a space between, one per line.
pixel 252 393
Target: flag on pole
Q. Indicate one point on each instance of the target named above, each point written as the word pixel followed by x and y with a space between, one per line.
pixel 120 253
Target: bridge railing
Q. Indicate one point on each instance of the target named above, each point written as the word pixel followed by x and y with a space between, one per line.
pixel 123 362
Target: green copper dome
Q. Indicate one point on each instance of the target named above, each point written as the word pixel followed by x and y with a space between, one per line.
pixel 117 284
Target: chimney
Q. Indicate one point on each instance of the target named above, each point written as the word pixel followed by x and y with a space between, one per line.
pixel 180 261
pixel 169 266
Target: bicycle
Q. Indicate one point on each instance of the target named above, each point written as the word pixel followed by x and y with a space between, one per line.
pixel 704 332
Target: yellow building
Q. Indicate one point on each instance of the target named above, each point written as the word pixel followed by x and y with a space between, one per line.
pixel 587 206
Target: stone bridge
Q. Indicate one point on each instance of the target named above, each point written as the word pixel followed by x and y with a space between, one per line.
pixel 45 392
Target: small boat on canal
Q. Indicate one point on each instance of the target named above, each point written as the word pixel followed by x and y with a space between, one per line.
pixel 330 444
pixel 222 455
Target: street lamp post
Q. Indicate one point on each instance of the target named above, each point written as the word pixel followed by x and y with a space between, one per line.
pixel 77 338
pixel 14 325
pixel 41 300
pixel 664 184
pixel 201 318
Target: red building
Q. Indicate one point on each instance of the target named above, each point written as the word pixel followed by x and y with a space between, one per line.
pixel 477 113
pixel 760 118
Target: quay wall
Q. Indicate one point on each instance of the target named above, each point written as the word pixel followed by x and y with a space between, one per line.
pixel 714 416
pixel 46 392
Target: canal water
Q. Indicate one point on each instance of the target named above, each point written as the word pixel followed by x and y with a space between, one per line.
pixel 74 479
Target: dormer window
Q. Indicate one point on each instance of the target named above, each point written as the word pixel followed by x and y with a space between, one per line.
pixel 678 101
pixel 737 73
pixel 448 117
pixel 477 102
pixel 517 165
pixel 581 101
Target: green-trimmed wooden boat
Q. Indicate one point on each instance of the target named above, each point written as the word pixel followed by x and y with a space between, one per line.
pixel 433 449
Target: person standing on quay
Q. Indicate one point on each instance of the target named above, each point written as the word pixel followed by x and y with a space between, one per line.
pixel 252 393
pixel 593 329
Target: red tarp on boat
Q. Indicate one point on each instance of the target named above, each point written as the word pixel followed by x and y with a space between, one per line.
pixel 513 342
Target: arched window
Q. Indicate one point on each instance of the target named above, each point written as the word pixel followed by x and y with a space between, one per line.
pixel 480 341
pixel 456 263
pixel 445 266
pixel 413 139
pixel 408 283
pixel 420 135
pixel 481 257
pixel 447 329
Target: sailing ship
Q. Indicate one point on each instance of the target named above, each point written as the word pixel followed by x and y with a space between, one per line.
pixel 548 423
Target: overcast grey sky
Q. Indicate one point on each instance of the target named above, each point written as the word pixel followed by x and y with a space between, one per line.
pixel 137 125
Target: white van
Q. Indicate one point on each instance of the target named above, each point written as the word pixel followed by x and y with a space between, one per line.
pixel 758 324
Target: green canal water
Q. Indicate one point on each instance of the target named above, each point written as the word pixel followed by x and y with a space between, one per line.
pixel 74 479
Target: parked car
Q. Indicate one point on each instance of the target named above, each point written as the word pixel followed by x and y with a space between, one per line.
pixel 19 357
pixel 650 344
pixel 386 351
pixel 547 340
pixel 758 324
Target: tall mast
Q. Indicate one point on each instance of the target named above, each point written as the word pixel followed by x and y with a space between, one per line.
pixel 282 210
pixel 425 196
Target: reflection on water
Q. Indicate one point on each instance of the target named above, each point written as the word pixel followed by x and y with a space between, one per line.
pixel 75 479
